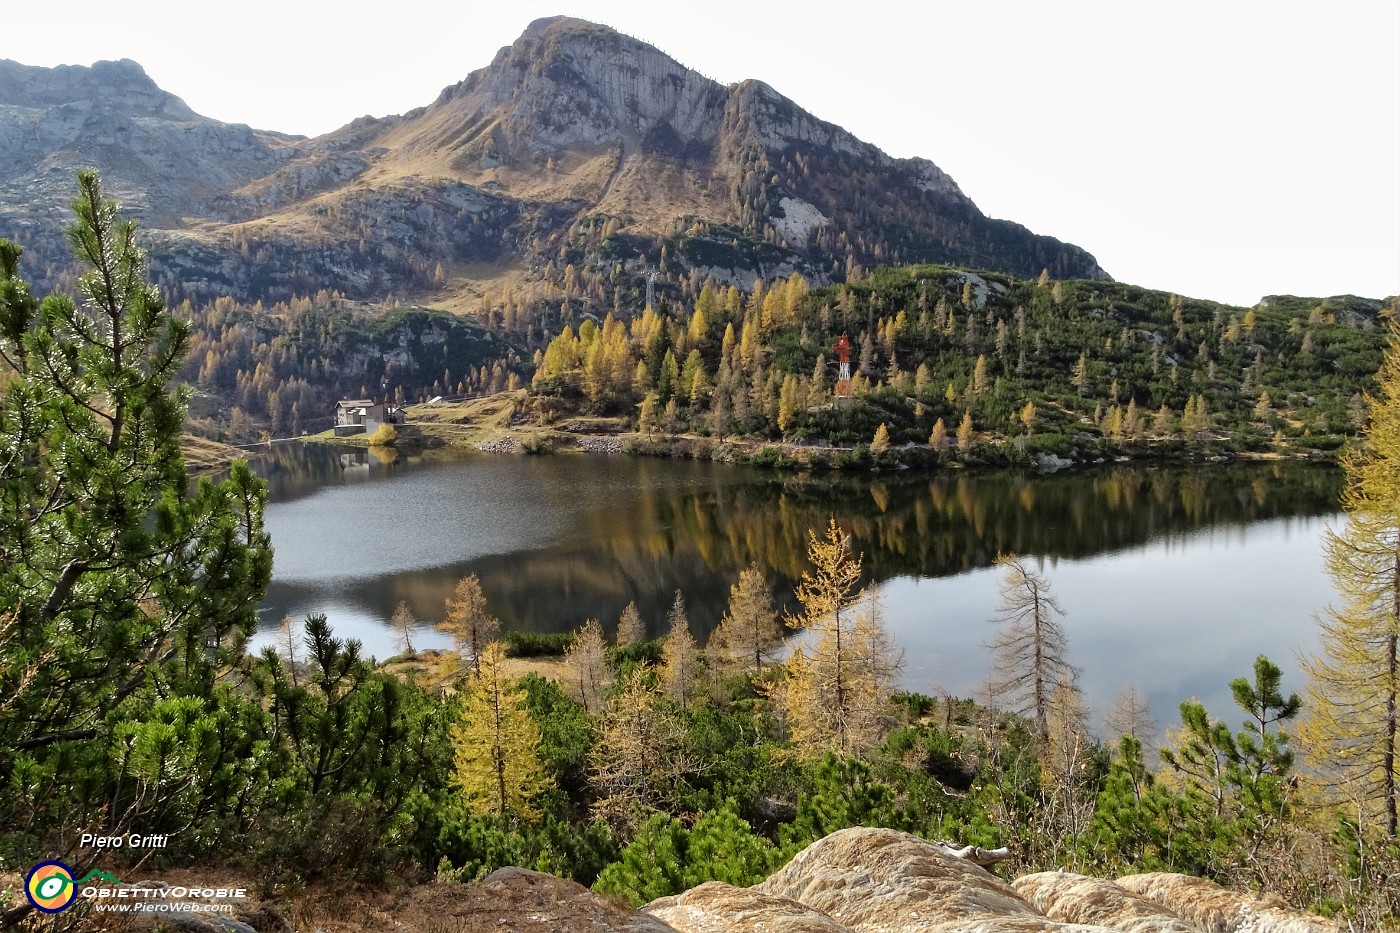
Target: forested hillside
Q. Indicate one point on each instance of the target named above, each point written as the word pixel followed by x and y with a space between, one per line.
pixel 964 364
pixel 278 371
pixel 956 358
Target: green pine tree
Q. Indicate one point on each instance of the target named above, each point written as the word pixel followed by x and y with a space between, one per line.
pixel 124 586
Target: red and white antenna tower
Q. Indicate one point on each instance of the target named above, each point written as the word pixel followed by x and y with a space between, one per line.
pixel 843 376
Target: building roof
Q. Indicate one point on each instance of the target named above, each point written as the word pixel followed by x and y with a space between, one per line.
pixel 354 403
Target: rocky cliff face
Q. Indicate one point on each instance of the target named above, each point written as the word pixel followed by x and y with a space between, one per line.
pixel 573 123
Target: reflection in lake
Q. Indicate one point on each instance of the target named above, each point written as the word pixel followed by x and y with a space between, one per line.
pixel 1173 578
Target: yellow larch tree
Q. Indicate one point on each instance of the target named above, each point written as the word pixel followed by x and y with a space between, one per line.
pixel 965 433
pixel 881 441
pixel 749 633
pixel 938 437
pixel 836 683
pixel 631 630
pixel 640 754
pixel 586 673
pixel 682 667
pixel 472 628
pixel 1352 728
pixel 1028 417
pixel 788 401
pixel 496 744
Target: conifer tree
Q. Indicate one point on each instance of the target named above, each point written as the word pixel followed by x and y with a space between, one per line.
pixel 472 628
pixel 1237 786
pixel 1133 421
pixel 1163 425
pixel 587 677
pixel 965 433
pixel 938 437
pixel 681 664
pixel 640 755
pixel 1138 823
pixel 1031 651
pixel 788 401
pixel 1353 725
pixel 646 414
pixel 749 632
pixel 1196 419
pixel 881 441
pixel 1079 376
pixel 1066 798
pixel 403 623
pixel 1028 417
pixel 631 630
pixel 496 744
pixel 979 377
pixel 1130 716
pixel 1263 408
pixel 112 565
pixel 837 681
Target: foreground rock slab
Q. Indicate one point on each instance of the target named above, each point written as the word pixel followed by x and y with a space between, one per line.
pixel 883 881
pixel 1071 898
pixel 1214 909
pixel 716 907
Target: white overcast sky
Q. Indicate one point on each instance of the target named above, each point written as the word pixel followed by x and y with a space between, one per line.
pixel 1222 149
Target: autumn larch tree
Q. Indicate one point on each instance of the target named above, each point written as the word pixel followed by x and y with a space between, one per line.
pixel 938 437
pixel 631 630
pixel 1030 651
pixel 640 753
pixel 1352 729
pixel 881 441
pixel 965 433
pixel 496 745
pixel 682 667
pixel 403 623
pixel 837 682
pixel 587 676
pixel 472 628
pixel 1130 716
pixel 749 633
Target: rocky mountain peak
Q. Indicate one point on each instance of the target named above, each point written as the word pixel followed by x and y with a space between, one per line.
pixel 568 82
pixel 573 121
pixel 122 86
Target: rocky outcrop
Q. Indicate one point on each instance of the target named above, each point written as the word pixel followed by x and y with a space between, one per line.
pixel 716 907
pixel 161 157
pixel 879 880
pixel 505 444
pixel 1214 909
pixel 519 900
pixel 882 881
pixel 1072 898
pixel 600 445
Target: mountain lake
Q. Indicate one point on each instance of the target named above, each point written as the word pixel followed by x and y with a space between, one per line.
pixel 1172 577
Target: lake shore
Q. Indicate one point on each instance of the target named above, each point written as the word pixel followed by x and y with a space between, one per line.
pixel 505 424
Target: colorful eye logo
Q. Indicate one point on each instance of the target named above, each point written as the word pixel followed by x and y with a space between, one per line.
pixel 50 887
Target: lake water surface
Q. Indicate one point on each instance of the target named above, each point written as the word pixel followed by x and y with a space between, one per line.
pixel 1173 578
